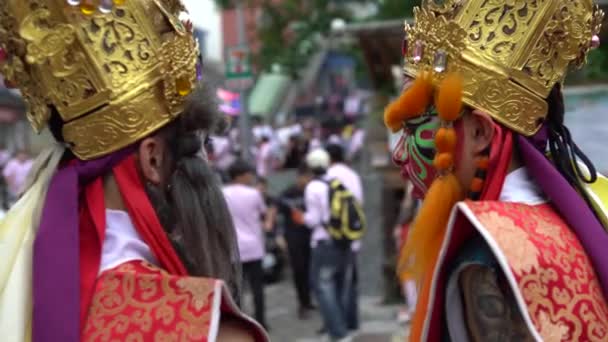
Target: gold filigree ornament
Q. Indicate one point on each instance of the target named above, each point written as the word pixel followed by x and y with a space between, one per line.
pixel 511 53
pixel 114 71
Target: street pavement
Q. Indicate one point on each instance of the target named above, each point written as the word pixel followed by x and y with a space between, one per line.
pixel 378 322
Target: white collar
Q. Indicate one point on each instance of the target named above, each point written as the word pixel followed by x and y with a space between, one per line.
pixel 520 188
pixel 122 242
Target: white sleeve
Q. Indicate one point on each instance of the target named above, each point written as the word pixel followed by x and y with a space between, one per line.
pixel 313 217
pixel 358 193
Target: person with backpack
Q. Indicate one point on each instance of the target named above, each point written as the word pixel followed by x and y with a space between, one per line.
pixel 336 220
pixel 340 170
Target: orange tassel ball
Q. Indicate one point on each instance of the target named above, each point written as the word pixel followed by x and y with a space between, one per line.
pixel 443 161
pixel 477 184
pixel 445 139
pixel 449 98
pixel 483 163
pixel 412 102
pixel 392 121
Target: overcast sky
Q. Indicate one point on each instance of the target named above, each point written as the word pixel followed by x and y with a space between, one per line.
pixel 205 16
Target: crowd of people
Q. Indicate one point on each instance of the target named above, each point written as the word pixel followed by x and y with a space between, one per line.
pixel 323 271
pixel 284 148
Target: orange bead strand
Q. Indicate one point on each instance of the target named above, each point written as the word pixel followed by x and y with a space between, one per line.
pixel 445 139
pixel 477 184
pixel 443 161
pixel 483 163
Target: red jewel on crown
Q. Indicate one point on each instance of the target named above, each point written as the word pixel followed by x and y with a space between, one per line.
pixel 3 55
pixel 404 47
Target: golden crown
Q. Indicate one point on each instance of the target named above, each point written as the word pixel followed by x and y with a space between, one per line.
pixel 114 70
pixel 510 53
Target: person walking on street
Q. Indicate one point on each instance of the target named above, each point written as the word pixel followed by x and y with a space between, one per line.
pixel 331 263
pixel 297 237
pixel 339 170
pixel 248 209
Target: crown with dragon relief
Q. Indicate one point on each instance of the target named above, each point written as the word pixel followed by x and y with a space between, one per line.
pixel 114 70
pixel 511 53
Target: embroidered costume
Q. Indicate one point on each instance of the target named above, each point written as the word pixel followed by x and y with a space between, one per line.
pixel 536 233
pixel 107 74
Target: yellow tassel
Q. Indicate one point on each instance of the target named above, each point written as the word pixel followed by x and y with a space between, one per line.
pixel 449 97
pixel 412 103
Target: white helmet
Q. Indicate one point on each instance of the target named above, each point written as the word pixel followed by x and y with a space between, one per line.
pixel 317 159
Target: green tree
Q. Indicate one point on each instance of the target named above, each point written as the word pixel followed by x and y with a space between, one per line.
pixel 396 9
pixel 290 29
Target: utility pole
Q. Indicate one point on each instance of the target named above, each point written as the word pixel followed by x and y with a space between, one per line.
pixel 244 119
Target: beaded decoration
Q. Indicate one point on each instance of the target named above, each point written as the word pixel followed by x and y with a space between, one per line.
pixel 449 107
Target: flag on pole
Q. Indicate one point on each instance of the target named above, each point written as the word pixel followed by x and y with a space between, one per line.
pixel 230 102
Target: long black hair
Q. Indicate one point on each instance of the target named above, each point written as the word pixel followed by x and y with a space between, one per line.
pixel 192 208
pixel 564 152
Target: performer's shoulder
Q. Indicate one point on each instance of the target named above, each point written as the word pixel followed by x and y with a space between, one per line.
pixel 139 299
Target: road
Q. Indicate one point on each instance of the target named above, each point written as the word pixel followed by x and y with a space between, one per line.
pixel 378 323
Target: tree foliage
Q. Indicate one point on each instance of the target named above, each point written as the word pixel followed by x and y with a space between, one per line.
pixel 290 29
pixel 396 9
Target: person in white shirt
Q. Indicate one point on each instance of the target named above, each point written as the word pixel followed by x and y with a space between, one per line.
pixel 331 265
pixel 352 182
pixel 355 146
pixel 248 208
pixel 222 153
pixel 264 157
pixel 339 170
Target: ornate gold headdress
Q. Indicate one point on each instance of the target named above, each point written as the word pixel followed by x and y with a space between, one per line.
pixel 510 53
pixel 114 70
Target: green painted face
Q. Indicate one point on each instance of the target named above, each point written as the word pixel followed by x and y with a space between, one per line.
pixel 416 150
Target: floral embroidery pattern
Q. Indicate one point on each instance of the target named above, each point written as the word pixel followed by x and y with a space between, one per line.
pixel 550 331
pixel 199 290
pixel 137 302
pixel 554 275
pixel 523 252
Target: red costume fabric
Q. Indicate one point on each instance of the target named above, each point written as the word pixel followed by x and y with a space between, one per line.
pixel 548 269
pixel 553 273
pixel 93 223
pixel 140 302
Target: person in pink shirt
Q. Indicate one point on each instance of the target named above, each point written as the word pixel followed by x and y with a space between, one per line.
pixel 248 209
pixel 15 174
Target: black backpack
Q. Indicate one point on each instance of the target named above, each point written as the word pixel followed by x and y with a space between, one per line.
pixel 346 220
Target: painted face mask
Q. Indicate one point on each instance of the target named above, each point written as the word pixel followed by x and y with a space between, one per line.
pixel 415 151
